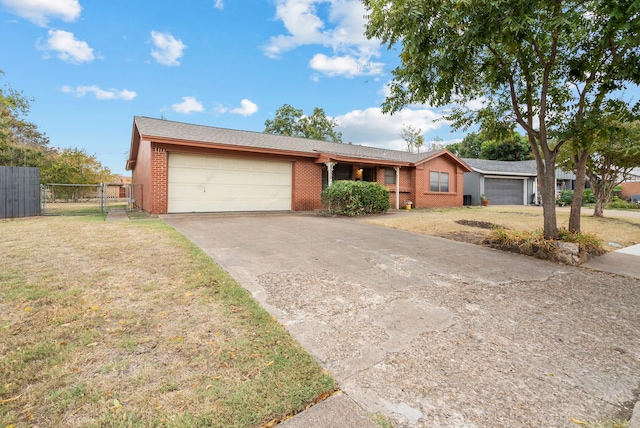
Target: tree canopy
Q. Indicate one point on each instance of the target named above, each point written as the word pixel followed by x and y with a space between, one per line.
pixel 22 144
pixel 413 137
pixel 291 121
pixel 513 147
pixel 543 65
pixel 614 152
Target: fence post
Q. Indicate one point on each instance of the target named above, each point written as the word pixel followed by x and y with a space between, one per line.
pixel 101 193
pixel 43 198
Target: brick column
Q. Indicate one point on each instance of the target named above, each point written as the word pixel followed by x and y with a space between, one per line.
pixel 159 185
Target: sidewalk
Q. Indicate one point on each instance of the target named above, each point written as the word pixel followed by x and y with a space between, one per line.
pixel 338 411
pixel 625 261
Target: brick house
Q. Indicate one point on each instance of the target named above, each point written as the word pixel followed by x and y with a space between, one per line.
pixel 183 168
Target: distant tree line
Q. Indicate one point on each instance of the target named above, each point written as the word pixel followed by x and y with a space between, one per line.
pixel 23 144
pixel 477 145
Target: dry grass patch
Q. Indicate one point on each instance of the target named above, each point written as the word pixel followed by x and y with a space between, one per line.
pixel 447 223
pixel 122 324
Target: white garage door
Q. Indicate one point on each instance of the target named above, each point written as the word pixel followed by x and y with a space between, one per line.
pixel 504 191
pixel 199 183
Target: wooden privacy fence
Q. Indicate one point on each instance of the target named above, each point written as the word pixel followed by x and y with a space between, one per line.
pixel 19 191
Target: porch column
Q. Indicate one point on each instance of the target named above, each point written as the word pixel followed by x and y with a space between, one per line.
pixel 330 166
pixel 397 168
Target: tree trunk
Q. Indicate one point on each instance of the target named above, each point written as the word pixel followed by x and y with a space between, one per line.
pixel 547 178
pixel 578 190
pixel 598 210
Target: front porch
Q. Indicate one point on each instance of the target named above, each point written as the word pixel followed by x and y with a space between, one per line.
pixel 396 178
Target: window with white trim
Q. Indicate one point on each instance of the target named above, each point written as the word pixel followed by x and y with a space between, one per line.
pixel 389 176
pixel 438 181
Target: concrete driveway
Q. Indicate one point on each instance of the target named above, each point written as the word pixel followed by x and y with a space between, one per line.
pixel 431 332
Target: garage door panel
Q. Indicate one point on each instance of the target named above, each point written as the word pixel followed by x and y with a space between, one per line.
pixel 213 184
pixel 504 191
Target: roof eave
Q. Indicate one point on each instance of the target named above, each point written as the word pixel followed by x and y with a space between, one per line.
pixel 133 149
pixel 329 157
pixel 223 146
pixel 485 172
pixel 450 155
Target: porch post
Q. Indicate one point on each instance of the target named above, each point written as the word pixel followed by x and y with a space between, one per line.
pixel 330 166
pixel 397 168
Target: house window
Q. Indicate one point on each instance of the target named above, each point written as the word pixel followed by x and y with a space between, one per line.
pixel 439 181
pixel 389 176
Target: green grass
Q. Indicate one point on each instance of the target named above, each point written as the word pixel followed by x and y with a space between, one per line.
pixel 130 324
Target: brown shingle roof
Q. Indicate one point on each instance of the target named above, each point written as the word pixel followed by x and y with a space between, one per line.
pixel 159 128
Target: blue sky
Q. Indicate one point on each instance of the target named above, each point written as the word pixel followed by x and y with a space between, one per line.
pixel 92 65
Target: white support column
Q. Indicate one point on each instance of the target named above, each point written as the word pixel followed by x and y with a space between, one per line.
pixel 397 168
pixel 330 166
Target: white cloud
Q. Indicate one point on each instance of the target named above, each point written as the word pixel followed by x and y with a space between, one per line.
pixel 168 50
pixel 343 32
pixel 371 127
pixel 101 94
pixel 188 105
pixel 218 4
pixel 41 11
pixel 347 65
pixel 247 108
pixel 67 47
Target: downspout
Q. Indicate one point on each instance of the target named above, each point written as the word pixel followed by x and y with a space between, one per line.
pixel 397 168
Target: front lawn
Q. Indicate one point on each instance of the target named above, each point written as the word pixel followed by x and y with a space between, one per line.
pixel 130 324
pixel 472 224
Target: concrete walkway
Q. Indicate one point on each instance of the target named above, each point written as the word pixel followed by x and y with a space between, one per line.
pixel 117 214
pixel 625 261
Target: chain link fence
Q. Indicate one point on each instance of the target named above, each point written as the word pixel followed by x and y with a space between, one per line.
pixel 85 199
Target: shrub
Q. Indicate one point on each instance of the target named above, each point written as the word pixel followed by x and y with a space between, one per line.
pixel 534 244
pixel 567 195
pixel 588 197
pixel 565 198
pixel 619 203
pixel 587 241
pixel 353 198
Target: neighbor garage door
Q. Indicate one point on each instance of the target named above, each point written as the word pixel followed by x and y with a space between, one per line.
pixel 504 191
pixel 199 183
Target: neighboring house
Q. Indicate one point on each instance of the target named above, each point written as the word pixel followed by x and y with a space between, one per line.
pixel 508 182
pixel 631 185
pixel 182 168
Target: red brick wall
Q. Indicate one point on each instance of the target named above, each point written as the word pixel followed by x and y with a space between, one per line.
pixel 306 186
pixel 307 183
pixel 406 189
pixel 427 199
pixel 159 183
pixel 141 176
pixel 629 189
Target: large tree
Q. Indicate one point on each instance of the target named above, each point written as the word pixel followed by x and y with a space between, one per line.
pixel 412 137
pixel 21 143
pixel 541 64
pixel 75 166
pixel 614 152
pixel 291 121
pixel 513 148
pixel 469 147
